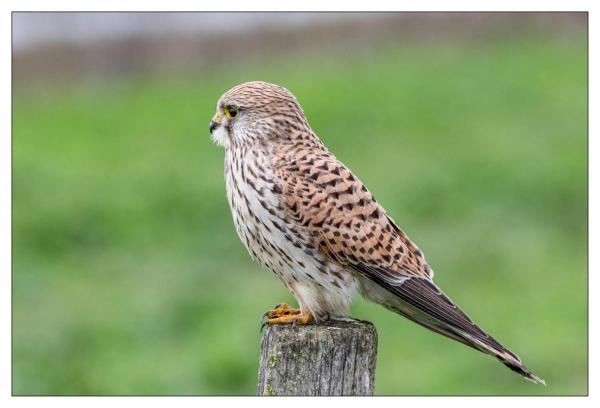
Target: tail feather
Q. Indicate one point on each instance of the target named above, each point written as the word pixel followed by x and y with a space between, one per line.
pixel 506 357
pixel 502 354
pixel 421 301
pixel 523 372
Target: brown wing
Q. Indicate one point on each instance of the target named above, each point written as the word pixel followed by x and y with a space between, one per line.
pixel 344 220
pixel 347 224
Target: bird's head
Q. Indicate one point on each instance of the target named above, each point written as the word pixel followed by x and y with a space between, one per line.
pixel 256 112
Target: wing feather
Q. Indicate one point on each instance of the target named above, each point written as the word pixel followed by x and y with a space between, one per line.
pixel 343 218
pixel 323 198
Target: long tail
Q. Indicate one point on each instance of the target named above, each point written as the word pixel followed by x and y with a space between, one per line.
pixel 494 349
pixel 421 301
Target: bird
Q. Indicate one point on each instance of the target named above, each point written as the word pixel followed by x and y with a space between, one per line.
pixel 302 214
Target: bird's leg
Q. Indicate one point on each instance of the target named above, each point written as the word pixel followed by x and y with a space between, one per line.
pixel 284 314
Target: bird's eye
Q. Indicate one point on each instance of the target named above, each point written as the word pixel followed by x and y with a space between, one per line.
pixel 231 111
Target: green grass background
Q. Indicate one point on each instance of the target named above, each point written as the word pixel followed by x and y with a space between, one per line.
pixel 129 278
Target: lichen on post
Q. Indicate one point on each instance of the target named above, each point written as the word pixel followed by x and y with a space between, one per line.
pixel 330 358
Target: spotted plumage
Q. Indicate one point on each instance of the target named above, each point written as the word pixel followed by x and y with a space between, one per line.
pixel 305 216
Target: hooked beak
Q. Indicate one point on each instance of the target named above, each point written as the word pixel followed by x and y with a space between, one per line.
pixel 215 122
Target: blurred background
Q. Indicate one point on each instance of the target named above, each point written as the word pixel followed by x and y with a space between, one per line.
pixel 128 276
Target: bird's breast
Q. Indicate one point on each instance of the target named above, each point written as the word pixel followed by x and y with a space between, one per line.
pixel 254 196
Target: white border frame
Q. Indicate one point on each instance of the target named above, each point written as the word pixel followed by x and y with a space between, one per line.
pixel 262 5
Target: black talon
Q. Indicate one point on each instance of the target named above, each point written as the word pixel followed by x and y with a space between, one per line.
pixel 262 326
pixel 262 322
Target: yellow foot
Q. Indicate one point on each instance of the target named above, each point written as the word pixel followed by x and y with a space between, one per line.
pixel 284 314
pixel 282 309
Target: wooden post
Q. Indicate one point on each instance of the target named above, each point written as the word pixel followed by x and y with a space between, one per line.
pixel 329 358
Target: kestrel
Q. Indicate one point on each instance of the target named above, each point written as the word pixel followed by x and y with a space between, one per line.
pixel 305 216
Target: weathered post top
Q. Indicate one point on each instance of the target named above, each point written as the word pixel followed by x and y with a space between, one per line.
pixel 329 358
